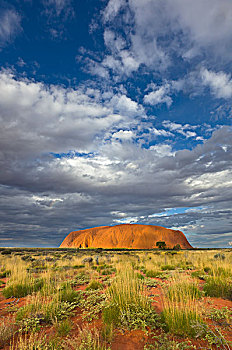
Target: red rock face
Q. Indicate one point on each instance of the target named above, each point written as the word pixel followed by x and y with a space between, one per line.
pixel 131 236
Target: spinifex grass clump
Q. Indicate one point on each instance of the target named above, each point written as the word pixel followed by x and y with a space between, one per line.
pixel 68 294
pixel 218 286
pixel 128 306
pixel 21 283
pixel 45 310
pixel 183 288
pixel 219 281
pixel 180 310
pixel 19 290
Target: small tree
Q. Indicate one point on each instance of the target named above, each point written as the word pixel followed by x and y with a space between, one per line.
pixel 177 247
pixel 161 245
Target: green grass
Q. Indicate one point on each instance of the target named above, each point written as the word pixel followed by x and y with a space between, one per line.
pixel 185 290
pixel 19 290
pixel 181 310
pixel 218 286
pixel 179 320
pixel 168 267
pixel 46 312
pixel 67 294
pixel 128 306
pixel 63 328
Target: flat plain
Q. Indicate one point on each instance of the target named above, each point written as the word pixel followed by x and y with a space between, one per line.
pixel 94 299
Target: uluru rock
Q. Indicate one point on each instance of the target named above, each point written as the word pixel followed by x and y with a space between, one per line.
pixel 131 236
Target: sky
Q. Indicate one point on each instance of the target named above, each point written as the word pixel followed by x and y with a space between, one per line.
pixel 115 111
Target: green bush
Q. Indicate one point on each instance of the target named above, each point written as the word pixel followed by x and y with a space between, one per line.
pixel 177 247
pixel 199 274
pixel 6 252
pixel 168 267
pixel 94 285
pixel 152 273
pixel 5 273
pixel 140 276
pixel 207 269
pixel 132 317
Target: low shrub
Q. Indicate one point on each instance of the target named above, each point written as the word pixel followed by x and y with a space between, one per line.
pixel 168 267
pixel 221 316
pixel 6 252
pixel 5 273
pixel 94 285
pixel 46 312
pixel 162 342
pixel 199 274
pixel 152 273
pixel 207 269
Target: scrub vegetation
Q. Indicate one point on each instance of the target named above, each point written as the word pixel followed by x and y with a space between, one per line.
pixel 98 299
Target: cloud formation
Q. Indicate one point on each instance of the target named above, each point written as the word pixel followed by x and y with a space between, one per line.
pixel 117 174
pixel 219 83
pixel 10 25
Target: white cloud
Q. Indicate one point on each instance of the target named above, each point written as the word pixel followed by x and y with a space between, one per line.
pixel 156 31
pixel 160 132
pixel 220 83
pixel 123 135
pixel 9 25
pixel 112 9
pixel 181 129
pixel 54 119
pixel 158 95
pixel 126 106
pixel 206 24
pixel 162 150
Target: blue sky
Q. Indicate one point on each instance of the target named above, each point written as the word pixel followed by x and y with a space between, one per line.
pixel 115 111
